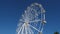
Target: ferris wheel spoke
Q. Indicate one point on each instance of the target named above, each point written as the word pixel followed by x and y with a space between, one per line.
pixel 34 28
pixel 30 31
pixel 21 20
pixel 35 20
pixel 26 30
pixel 20 29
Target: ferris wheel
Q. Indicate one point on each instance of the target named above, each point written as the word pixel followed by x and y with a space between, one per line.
pixel 33 18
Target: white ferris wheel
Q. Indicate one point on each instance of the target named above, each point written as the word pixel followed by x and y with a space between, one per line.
pixel 32 19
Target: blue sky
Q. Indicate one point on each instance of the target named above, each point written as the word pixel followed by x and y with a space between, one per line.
pixel 11 10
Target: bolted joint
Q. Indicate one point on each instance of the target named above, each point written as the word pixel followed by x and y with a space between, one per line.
pixel 43 22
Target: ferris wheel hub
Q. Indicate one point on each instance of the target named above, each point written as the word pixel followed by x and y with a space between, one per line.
pixel 26 24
